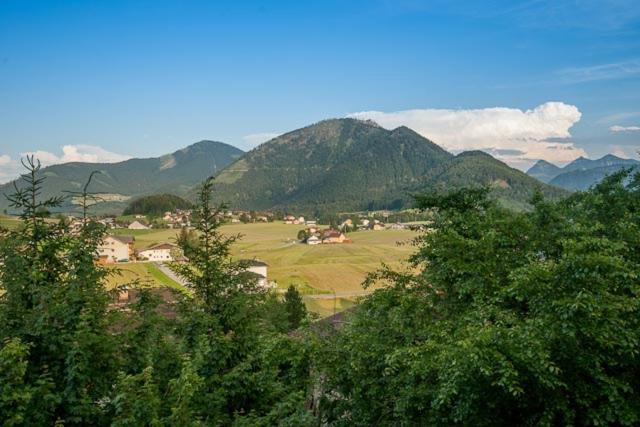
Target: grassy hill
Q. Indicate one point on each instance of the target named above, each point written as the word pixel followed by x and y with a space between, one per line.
pixel 156 205
pixel 176 173
pixel 348 164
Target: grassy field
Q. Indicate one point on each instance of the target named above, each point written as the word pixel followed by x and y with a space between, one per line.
pixel 145 272
pixel 9 222
pixel 316 269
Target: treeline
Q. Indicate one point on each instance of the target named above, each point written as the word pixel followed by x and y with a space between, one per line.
pixel 503 318
pixel 156 205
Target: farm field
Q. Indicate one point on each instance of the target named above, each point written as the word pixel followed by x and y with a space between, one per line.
pixel 319 271
pixel 9 222
pixel 335 268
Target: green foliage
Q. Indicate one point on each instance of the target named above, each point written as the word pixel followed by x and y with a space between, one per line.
pixel 69 357
pixel 510 319
pixel 156 205
pixel 294 307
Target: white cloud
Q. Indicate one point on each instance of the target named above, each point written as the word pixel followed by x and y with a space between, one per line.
pixel 624 151
pixel 11 169
pixel 77 153
pixel 515 136
pixel 618 128
pixel 256 139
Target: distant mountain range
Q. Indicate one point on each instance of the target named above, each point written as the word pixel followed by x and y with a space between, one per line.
pixel 175 173
pixel 335 165
pixel 580 174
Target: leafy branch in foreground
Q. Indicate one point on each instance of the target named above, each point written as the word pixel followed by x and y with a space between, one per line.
pixel 529 318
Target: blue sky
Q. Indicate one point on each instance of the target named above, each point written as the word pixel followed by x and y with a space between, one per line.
pixel 109 79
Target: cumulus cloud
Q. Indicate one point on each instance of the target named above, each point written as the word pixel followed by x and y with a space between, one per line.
pixel 256 139
pixel 618 128
pixel 11 169
pixel 78 153
pixel 515 136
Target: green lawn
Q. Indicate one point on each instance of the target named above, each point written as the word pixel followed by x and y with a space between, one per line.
pixel 145 273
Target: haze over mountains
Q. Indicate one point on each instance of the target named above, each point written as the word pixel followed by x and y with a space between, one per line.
pixel 335 165
pixel 580 174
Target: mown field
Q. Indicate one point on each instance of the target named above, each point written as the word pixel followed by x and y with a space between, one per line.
pixel 317 270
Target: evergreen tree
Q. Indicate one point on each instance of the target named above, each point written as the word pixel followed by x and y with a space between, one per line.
pixel 294 307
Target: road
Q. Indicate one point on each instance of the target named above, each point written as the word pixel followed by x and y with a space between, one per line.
pixel 166 270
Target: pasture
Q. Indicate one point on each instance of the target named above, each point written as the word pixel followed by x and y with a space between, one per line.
pixel 329 276
pixel 337 268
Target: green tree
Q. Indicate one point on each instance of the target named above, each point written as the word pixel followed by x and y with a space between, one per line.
pixel 505 319
pixel 294 307
pixel 53 300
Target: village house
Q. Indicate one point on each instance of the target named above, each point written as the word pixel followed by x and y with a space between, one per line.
pixel 397 226
pixel 310 222
pixel 290 219
pixel 115 249
pixel 258 269
pixel 377 226
pixel 160 252
pixel 314 240
pixel 137 225
pixel 333 236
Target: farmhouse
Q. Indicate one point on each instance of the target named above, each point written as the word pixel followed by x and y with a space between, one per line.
pixel 115 249
pixel 258 269
pixel 314 240
pixel 333 236
pixel 137 225
pixel 160 252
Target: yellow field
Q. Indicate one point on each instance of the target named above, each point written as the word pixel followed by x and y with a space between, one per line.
pixel 9 222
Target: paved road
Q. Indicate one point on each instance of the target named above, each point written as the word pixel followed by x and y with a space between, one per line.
pixel 166 270
pixel 345 294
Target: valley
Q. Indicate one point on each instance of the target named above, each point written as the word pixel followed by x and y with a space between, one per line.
pixel 319 271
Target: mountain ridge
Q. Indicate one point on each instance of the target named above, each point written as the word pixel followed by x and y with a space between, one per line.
pixel 581 173
pixel 176 173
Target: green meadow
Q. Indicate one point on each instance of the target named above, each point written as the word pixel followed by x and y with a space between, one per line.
pixel 315 269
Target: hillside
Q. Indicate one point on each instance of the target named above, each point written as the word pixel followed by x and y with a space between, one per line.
pixel 156 205
pixel 513 188
pixel 173 173
pixel 347 164
pixel 581 173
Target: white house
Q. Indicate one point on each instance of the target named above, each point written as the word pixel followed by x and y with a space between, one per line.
pixel 314 240
pixel 137 225
pixel 161 252
pixel 115 249
pixel 259 270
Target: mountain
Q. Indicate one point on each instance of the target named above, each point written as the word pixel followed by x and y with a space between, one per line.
pixel 512 187
pixel 349 165
pixel 175 173
pixel 582 179
pixel 581 173
pixel 544 171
